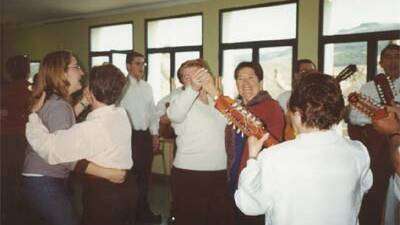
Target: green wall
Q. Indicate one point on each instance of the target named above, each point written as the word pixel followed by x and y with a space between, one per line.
pixel 73 35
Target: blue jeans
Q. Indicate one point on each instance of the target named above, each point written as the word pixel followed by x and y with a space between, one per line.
pixel 50 198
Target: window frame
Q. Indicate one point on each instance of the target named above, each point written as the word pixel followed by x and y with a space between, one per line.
pixel 173 50
pixel 371 38
pixel 108 53
pixel 257 45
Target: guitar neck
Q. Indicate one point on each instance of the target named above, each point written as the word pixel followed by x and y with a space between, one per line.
pixel 367 106
pixel 385 88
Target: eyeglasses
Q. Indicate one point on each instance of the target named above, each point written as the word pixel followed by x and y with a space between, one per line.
pixel 78 67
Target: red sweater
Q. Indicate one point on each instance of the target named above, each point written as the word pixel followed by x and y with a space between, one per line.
pixel 270 113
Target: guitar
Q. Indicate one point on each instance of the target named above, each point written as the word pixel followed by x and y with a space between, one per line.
pixel 347 72
pixel 367 106
pixel 242 120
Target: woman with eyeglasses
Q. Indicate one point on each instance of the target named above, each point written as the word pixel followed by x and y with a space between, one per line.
pixel 44 186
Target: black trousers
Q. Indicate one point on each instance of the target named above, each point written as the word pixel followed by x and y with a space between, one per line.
pixel 142 154
pixel 107 203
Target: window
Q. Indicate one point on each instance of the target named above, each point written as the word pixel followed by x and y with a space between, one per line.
pixel 355 32
pixel 273 46
pixel 354 17
pixel 169 43
pixel 34 69
pixel 110 44
pixel 351 36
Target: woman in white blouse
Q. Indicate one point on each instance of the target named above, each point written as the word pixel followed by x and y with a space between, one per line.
pixel 318 178
pixel 198 177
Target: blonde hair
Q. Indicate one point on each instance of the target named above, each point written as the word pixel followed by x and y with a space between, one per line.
pixel 51 77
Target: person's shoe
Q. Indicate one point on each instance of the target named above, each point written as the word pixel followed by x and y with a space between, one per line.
pixel 149 218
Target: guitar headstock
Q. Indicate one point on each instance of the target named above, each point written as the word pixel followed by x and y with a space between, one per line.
pixel 367 106
pixel 385 88
pixel 242 119
pixel 347 72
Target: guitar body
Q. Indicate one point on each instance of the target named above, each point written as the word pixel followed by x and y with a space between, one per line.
pixel 289 133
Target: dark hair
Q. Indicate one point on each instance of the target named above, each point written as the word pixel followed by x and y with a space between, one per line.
pixel 253 65
pixel 18 67
pixel 388 48
pixel 302 61
pixel 191 63
pixel 106 83
pixel 319 100
pixel 131 55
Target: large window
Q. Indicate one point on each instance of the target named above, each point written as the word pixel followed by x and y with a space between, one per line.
pixel 355 32
pixel 265 34
pixel 170 42
pixel 110 44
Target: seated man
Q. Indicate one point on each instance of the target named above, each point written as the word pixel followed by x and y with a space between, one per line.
pixel 104 139
pixel 318 178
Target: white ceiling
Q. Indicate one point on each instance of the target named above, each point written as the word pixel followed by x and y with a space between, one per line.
pixel 22 12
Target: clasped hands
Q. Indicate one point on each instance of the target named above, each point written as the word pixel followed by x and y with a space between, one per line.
pixel 202 80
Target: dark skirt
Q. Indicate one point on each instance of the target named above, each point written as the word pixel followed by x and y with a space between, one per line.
pixel 201 198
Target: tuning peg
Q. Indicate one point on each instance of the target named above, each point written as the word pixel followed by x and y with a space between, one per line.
pixel 242 134
pixel 237 131
pixel 229 122
pixel 234 127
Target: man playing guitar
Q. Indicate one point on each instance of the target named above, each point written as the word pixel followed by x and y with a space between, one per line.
pixel 361 127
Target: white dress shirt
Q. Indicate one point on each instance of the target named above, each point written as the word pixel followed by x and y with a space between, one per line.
pixel 138 101
pixel 283 100
pixel 369 89
pixel 104 138
pixel 200 131
pixel 317 178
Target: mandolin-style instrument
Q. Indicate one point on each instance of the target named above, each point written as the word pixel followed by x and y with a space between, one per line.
pixel 367 106
pixel 242 120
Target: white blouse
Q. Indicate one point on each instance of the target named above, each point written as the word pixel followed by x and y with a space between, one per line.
pixel 104 138
pixel 200 131
pixel 318 178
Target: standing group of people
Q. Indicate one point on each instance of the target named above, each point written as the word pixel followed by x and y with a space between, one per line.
pixel 219 176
